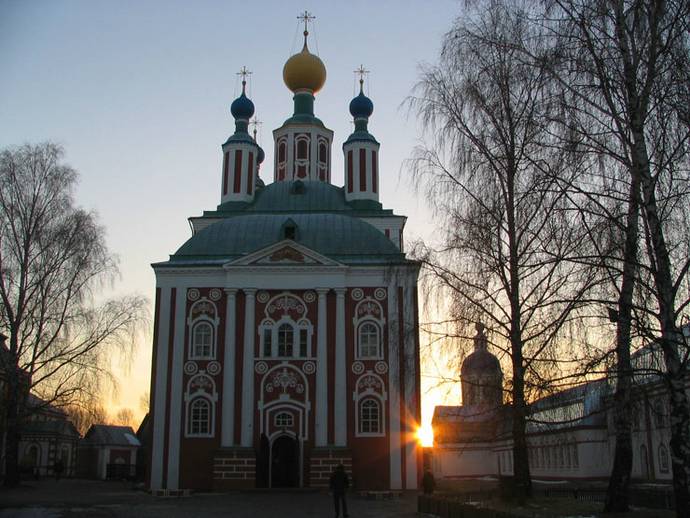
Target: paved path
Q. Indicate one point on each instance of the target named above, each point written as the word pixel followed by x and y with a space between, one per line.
pixel 71 498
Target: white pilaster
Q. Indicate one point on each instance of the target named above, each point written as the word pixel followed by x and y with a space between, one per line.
pixel 321 417
pixel 248 369
pixel 228 409
pixel 394 388
pixel 161 390
pixel 176 391
pixel 409 383
pixel 340 410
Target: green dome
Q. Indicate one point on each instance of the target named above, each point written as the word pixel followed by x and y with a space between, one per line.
pixel 338 236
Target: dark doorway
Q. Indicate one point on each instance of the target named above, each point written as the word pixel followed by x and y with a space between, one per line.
pixel 285 462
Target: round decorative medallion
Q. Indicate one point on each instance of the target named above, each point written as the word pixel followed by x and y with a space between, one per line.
pixel 263 297
pixel 309 367
pixel 261 368
pixel 381 367
pixel 380 294
pixel 215 294
pixel 190 368
pixel 358 367
pixel 193 294
pixel 213 368
pixel 357 294
pixel 309 296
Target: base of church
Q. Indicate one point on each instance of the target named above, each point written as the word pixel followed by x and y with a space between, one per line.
pixel 323 461
pixel 234 468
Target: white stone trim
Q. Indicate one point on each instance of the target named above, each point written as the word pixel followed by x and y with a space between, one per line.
pixel 410 366
pixel 340 398
pixel 161 390
pixel 394 389
pixel 228 400
pixel 248 369
pixel 176 391
pixel 321 416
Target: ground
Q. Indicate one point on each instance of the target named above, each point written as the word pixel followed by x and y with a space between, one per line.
pixel 87 498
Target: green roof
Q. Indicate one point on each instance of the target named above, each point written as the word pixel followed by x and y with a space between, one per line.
pixel 309 197
pixel 338 236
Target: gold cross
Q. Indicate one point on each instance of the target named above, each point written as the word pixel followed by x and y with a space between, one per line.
pixel 256 123
pixel 244 73
pixel 362 72
pixel 306 17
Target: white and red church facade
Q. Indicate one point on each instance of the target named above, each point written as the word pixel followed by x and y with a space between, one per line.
pixel 286 328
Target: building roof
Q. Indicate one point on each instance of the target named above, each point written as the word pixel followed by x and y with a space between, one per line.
pixel 110 435
pixel 343 238
pixel 53 427
pixel 481 361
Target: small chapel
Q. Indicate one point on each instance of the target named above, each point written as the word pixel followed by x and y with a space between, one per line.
pixel 286 327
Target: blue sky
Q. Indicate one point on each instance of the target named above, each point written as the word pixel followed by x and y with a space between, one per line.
pixel 138 93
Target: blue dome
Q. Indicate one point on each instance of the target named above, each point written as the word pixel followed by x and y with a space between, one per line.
pixel 260 155
pixel 242 107
pixel 361 106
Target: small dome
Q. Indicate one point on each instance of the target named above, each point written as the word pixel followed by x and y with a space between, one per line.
pixel 361 106
pixel 261 155
pixel 242 107
pixel 481 362
pixel 304 71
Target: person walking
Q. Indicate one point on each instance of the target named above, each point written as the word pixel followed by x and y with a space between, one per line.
pixel 428 482
pixel 338 484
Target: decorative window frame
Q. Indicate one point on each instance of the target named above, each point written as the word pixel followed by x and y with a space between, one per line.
pixel 662 453
pixel 273 325
pixel 361 394
pixel 380 323
pixel 191 395
pixel 193 322
pixel 278 419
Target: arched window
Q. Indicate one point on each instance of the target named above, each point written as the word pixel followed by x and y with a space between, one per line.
pixel 199 419
pixel 369 340
pixel 302 148
pixel 663 459
pixel 658 412
pixel 32 455
pixel 369 416
pixel 285 340
pixel 281 152
pixel 283 419
pixel 202 341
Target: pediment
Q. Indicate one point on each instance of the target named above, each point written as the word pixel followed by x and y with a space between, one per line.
pixel 284 253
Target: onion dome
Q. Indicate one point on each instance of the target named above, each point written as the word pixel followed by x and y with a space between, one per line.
pixel 304 71
pixel 260 156
pixel 242 107
pixel 481 361
pixel 361 106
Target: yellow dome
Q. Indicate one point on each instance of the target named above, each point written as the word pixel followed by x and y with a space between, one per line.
pixel 304 71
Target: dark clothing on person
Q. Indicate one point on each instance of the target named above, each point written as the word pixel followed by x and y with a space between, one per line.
pixel 58 469
pixel 339 483
pixel 428 483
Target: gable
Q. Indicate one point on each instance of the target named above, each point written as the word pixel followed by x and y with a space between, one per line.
pixel 284 253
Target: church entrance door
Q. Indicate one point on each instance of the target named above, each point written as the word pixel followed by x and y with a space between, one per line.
pixel 285 462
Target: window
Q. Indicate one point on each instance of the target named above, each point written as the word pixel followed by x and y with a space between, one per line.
pixel 368 340
pixel 658 413
pixel 574 455
pixel 268 342
pixel 369 416
pixel 290 233
pixel 283 419
pixel 199 417
pixel 663 459
pixel 302 149
pixel 285 338
pixel 303 341
pixel 202 340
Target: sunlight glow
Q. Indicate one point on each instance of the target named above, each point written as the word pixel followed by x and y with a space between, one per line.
pixel 425 435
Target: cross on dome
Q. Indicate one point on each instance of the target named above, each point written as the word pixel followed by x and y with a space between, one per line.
pixel 244 73
pixel 255 123
pixel 306 17
pixel 361 72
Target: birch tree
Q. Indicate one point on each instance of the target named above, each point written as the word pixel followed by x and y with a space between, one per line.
pixel 53 261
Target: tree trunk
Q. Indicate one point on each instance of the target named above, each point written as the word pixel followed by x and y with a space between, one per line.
pixel 617 495
pixel 12 433
pixel 523 481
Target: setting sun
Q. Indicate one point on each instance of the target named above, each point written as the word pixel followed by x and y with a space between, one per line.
pixel 425 435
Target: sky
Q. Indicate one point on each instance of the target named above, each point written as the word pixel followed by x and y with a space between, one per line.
pixel 138 94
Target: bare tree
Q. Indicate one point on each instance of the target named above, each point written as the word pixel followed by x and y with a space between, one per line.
pixel 625 69
pixel 53 259
pixel 124 417
pixel 494 175
pixel 83 416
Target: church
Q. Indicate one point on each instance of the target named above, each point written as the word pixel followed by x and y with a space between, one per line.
pixel 286 327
